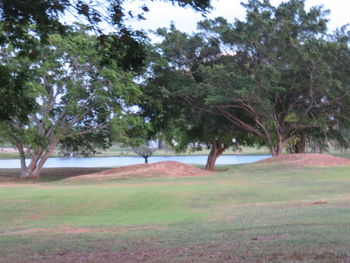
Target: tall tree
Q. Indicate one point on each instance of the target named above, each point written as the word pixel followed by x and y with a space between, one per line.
pixel 75 96
pixel 275 77
pixel 175 103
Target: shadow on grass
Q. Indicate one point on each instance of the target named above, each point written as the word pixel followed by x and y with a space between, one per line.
pixel 47 174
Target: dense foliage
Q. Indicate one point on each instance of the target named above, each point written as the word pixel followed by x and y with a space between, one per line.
pixel 174 103
pixel 277 75
pixel 23 22
pixel 76 98
pixel 60 85
pixel 280 73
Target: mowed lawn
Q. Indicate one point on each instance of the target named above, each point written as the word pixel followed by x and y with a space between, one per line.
pixel 249 213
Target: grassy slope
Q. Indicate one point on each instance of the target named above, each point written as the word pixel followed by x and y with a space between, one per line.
pixel 247 214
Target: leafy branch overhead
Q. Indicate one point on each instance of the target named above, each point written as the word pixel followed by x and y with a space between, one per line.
pixel 47 15
pixel 23 22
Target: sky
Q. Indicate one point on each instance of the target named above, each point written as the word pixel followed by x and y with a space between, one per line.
pixel 161 14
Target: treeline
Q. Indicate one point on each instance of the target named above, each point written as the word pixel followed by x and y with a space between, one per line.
pixel 278 78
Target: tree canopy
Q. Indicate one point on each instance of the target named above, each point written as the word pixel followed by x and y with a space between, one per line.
pixel 175 104
pixel 24 22
pixel 277 75
pixel 47 14
pixel 75 97
pixel 274 77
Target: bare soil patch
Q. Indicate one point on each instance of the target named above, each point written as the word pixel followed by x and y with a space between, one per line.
pixel 64 229
pixel 307 159
pixel 164 169
pixel 204 253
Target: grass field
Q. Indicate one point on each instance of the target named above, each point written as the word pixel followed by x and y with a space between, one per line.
pixel 249 213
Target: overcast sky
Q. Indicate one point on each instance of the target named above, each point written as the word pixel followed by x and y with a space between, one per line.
pixel 162 14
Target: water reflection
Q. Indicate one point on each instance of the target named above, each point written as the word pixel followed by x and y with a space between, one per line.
pixel 127 160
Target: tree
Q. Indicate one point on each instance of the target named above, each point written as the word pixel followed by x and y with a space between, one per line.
pixel 18 15
pixel 144 151
pixel 23 22
pixel 16 100
pixel 205 130
pixel 76 96
pixel 46 14
pixel 277 74
pixel 174 103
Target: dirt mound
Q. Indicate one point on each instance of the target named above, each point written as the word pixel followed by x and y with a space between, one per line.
pixel 307 159
pixel 164 169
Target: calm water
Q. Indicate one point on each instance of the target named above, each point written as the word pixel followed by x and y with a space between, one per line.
pixel 126 160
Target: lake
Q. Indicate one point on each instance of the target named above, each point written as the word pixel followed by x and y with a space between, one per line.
pixel 128 160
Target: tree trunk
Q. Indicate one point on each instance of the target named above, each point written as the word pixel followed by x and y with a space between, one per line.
pixel 300 145
pixel 37 162
pixel 34 168
pixel 273 151
pixel 160 144
pixel 22 157
pixel 146 159
pixel 277 150
pixel 215 152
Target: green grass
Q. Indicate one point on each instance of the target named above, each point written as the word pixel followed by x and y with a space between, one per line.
pixel 249 213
